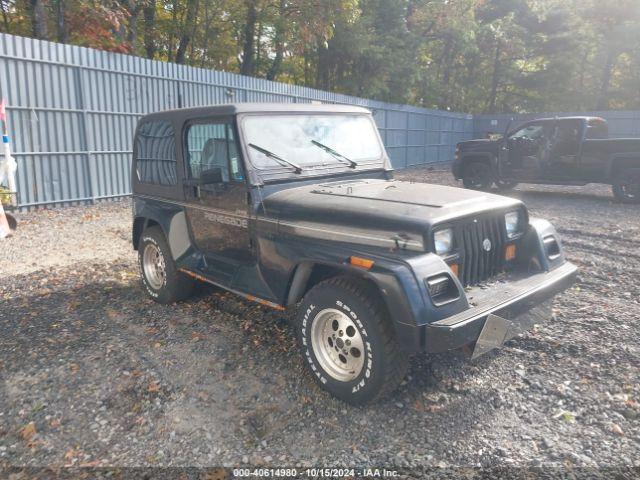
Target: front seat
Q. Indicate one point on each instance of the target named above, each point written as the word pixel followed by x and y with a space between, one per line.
pixel 214 154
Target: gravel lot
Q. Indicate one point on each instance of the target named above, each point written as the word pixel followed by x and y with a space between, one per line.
pixel 94 373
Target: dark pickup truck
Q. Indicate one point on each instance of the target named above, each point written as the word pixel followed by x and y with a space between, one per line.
pixel 558 151
pixel 295 206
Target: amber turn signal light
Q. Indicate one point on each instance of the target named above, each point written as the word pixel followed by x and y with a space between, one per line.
pixel 455 269
pixel 361 262
pixel 510 253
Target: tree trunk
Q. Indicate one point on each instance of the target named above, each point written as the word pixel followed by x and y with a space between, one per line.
pixel 307 74
pixel 248 49
pixel 276 65
pixel 62 33
pixel 188 30
pixel 447 62
pixel 495 81
pixel 605 80
pixel 172 31
pixel 149 13
pixel 132 34
pixel 206 35
pixel 5 19
pixel 322 66
pixel 258 49
pixel 39 19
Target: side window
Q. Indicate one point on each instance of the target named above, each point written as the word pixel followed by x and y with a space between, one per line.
pixel 212 153
pixel 156 153
pixel 530 131
pixel 597 129
pixel 567 137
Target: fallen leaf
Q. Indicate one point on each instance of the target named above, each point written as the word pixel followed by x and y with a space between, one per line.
pixel 196 336
pixel 153 387
pixel 615 428
pixel 28 431
pixel 34 444
pixel 71 453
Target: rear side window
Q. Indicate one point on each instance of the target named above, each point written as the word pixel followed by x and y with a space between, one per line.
pixel 597 129
pixel 156 153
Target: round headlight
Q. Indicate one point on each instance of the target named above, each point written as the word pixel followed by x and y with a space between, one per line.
pixel 513 223
pixel 443 240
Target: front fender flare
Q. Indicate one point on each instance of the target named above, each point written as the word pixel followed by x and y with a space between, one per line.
pixel 391 290
pixel 490 158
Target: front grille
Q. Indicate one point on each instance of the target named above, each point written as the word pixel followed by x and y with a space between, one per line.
pixel 478 264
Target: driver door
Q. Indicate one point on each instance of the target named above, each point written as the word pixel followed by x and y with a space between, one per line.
pixel 216 197
pixel 524 152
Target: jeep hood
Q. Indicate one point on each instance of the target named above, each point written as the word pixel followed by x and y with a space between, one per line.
pixel 396 211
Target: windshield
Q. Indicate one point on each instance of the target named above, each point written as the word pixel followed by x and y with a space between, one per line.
pixel 296 139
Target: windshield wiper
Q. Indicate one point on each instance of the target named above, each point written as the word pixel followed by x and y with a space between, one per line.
pixel 337 155
pixel 278 158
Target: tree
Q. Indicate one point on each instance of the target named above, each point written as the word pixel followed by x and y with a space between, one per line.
pixel 39 19
pixel 247 60
pixel 464 55
pixel 187 30
pixel 149 15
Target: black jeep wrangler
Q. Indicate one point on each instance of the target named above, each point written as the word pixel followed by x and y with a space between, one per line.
pixel 556 151
pixel 296 206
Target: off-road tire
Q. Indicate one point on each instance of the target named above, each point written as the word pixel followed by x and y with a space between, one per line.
pixel 477 175
pixel 176 285
pixel 506 185
pixel 385 363
pixel 626 187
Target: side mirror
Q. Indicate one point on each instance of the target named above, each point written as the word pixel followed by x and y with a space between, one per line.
pixel 211 175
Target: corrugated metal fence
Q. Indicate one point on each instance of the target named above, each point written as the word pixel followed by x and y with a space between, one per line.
pixel 72 113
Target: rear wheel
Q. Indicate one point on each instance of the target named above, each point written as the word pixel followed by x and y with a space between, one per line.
pixel 348 341
pixel 477 176
pixel 626 188
pixel 506 184
pixel 160 276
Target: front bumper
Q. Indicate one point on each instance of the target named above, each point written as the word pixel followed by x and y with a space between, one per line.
pixel 514 301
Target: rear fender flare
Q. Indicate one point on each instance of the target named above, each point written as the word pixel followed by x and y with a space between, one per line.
pixel 172 221
pixel 620 162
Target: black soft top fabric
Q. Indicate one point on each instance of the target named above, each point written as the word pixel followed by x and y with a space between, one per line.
pixel 183 114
